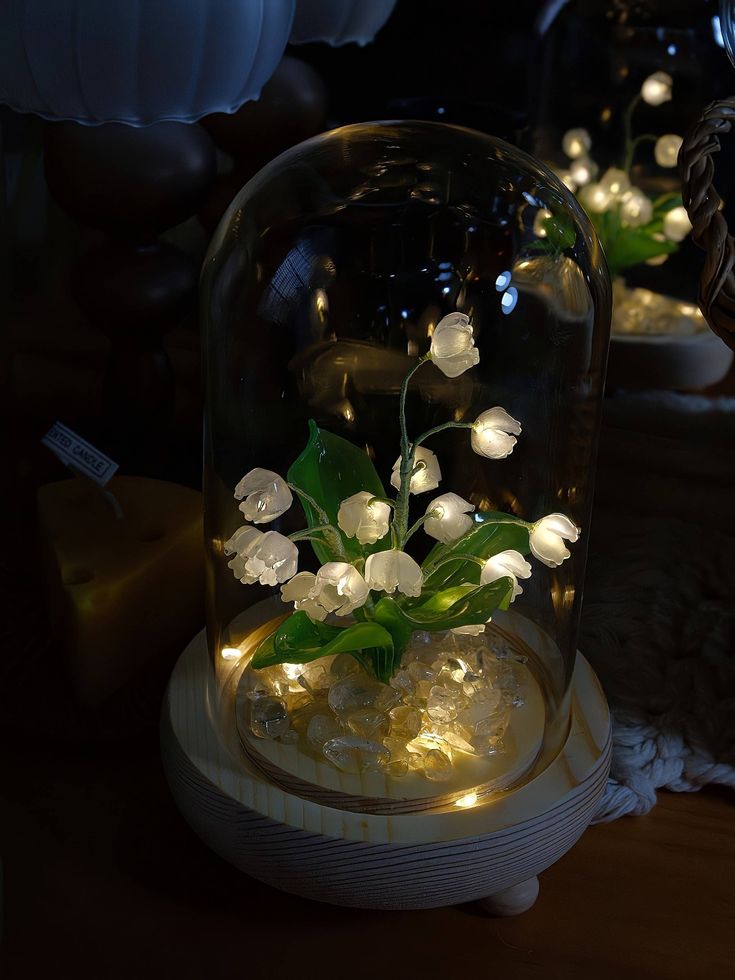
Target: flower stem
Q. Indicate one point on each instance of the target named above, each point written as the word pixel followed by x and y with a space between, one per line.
pixel 320 512
pixel 440 428
pixel 628 130
pixel 407 455
pixel 414 527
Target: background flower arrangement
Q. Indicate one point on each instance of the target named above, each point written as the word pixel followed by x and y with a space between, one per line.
pixel 632 227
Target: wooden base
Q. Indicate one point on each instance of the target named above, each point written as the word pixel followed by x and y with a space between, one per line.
pixel 491 849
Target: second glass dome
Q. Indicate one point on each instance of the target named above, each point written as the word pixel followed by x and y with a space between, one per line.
pixel 331 275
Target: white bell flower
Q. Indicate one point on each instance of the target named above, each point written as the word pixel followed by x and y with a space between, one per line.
pixel 448 518
pixel 656 89
pixel 387 571
pixel 576 143
pixel 453 345
pixel 666 150
pixel 677 224
pixel 507 564
pixel 267 496
pixel 241 545
pixel 362 517
pixel 426 473
pixel 267 558
pixel 636 208
pixel 340 588
pixel 299 591
pixel 494 433
pixel 547 539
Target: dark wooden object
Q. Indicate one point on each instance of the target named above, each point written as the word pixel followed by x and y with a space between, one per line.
pixel 709 225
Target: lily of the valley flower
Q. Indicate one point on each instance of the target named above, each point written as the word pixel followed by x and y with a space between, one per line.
pixel 666 150
pixel 547 539
pixel 677 224
pixel 340 588
pixel 300 591
pixel 507 564
pixel 361 516
pixel 388 571
pixel 448 518
pixel 336 588
pixel 494 433
pixel 453 345
pixel 267 558
pixel 266 496
pixel 426 473
pixel 656 89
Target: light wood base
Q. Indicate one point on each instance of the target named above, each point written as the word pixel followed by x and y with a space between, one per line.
pixel 491 850
pixel 514 900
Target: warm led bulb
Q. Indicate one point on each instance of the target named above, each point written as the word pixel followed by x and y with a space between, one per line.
pixel 667 149
pixel 576 143
pixel 466 801
pixel 677 224
pixel 657 88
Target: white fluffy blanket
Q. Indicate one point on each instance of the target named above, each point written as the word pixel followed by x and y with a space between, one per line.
pixel 658 623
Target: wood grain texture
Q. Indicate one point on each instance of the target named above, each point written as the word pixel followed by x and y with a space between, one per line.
pixel 369 860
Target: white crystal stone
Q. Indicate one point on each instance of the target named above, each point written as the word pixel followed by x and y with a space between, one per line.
pixel 437 765
pixel 353 754
pixel 368 723
pixel 268 717
pixel 321 729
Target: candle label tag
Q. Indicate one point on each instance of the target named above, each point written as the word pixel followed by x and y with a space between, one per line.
pixel 76 452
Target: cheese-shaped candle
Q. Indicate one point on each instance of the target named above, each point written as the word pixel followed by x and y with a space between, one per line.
pixel 127 594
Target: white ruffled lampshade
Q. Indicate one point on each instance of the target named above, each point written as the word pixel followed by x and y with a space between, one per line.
pixel 137 62
pixel 339 22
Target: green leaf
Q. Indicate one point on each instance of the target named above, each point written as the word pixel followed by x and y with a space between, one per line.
pixel 492 533
pixel 299 640
pixel 465 605
pixel 330 469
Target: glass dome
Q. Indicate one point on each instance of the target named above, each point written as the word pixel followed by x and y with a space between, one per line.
pixel 335 271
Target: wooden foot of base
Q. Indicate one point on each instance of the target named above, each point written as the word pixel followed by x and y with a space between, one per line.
pixel 512 901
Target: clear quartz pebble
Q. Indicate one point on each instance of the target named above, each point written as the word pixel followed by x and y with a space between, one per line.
pixel 437 765
pixel 441 705
pixel 405 720
pixel 268 717
pixel 368 723
pixel 353 754
pixel 354 691
pixel 342 665
pixel 290 737
pixel 399 767
pixel 458 743
pixel 402 682
pixel 321 729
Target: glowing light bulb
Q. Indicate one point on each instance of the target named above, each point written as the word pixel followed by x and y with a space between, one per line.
pixel 539 222
pixel 677 224
pixel 470 799
pixel 666 150
pixel 657 88
pixel 576 143
pixel 229 653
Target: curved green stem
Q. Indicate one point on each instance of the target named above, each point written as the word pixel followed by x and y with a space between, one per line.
pixel 628 131
pixel 322 514
pixel 414 527
pixel 407 455
pixel 440 428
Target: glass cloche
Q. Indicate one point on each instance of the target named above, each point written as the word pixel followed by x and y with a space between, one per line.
pixel 406 327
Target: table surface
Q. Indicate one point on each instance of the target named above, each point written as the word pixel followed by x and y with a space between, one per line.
pixel 103 879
